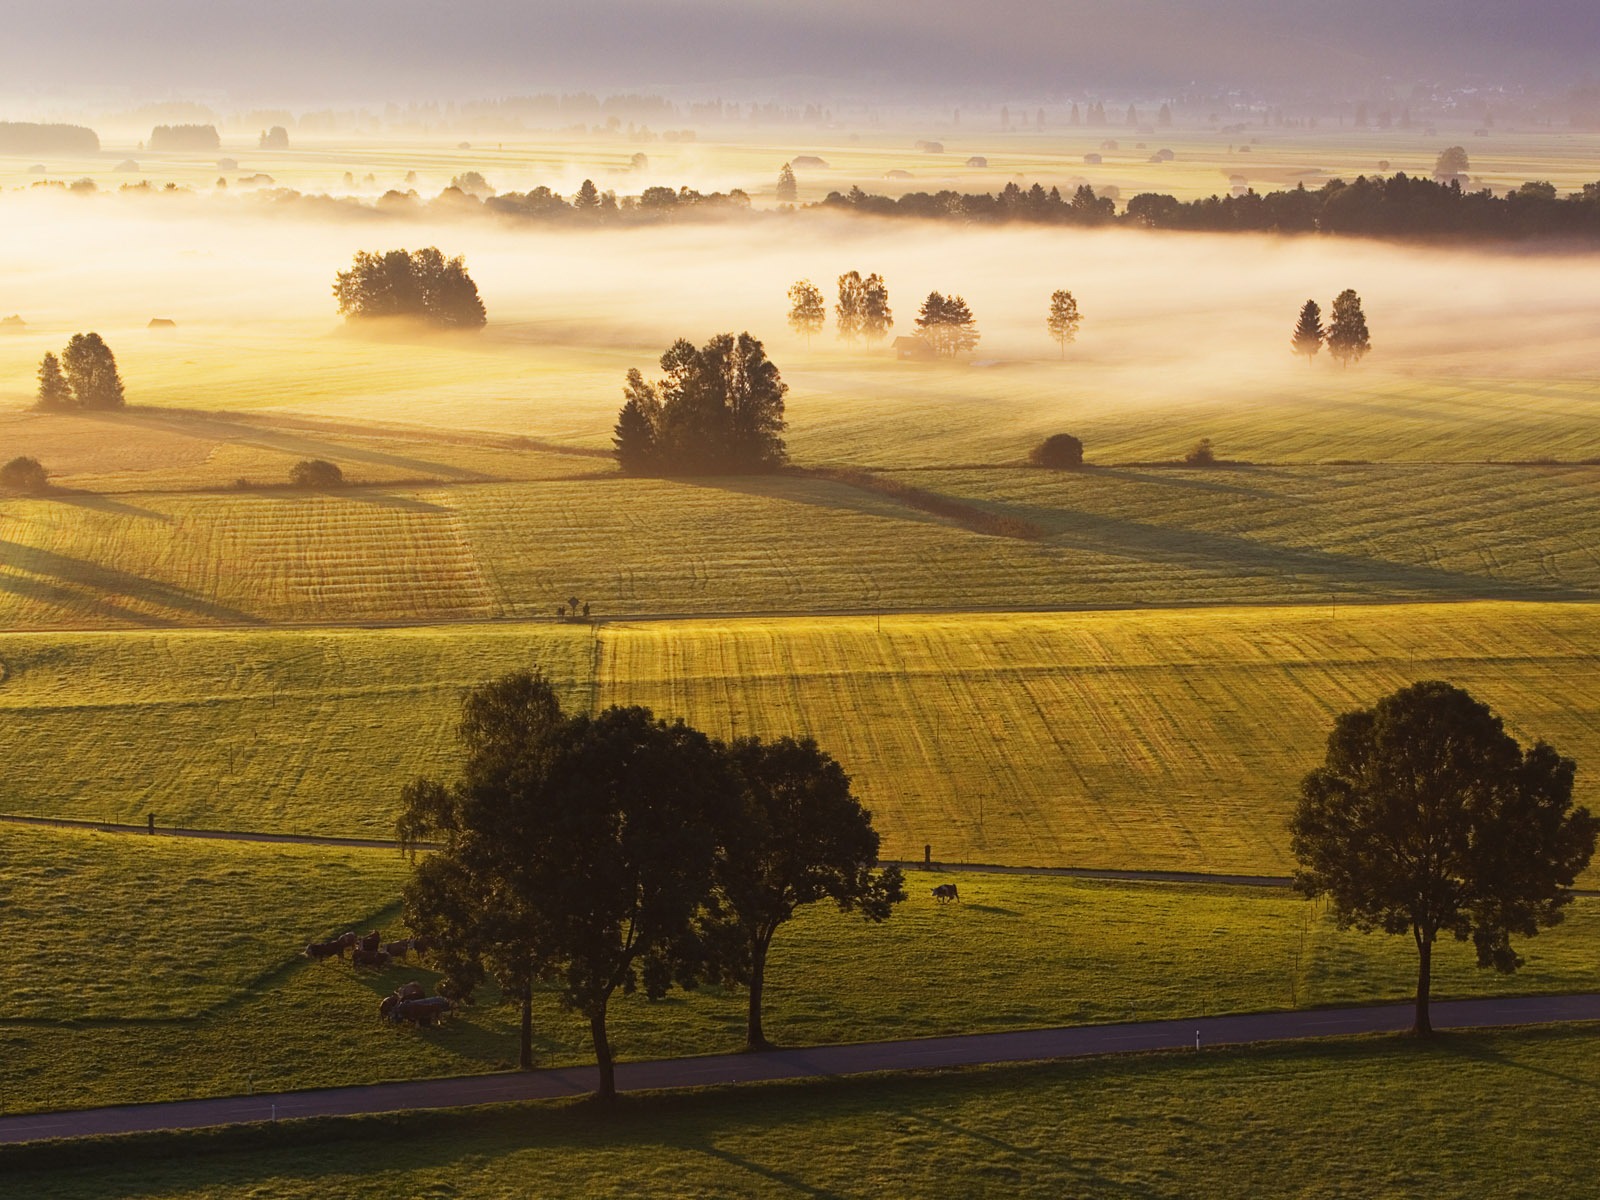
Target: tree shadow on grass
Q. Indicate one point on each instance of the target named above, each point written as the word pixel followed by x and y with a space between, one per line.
pixel 105 504
pixel 1476 1048
pixel 59 579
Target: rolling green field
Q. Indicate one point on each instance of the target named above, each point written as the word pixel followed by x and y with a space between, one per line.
pixel 147 969
pixel 1480 1114
pixel 1163 740
pixel 1117 536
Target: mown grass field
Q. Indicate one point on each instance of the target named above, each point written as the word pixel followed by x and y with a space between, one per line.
pixel 1117 536
pixel 1479 1114
pixel 1172 739
pixel 146 969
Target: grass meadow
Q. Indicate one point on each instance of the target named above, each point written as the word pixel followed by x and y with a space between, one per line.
pixel 1170 739
pixel 1466 1114
pixel 145 969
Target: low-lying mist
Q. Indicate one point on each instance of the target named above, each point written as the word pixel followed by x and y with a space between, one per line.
pixel 1165 316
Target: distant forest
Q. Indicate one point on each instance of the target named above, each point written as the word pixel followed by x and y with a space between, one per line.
pixel 21 137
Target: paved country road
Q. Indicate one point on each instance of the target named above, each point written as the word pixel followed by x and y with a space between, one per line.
pixel 911 1055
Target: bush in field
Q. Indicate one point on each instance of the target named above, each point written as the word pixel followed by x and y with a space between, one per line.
pixel 24 475
pixel 1201 455
pixel 717 411
pixel 91 371
pixel 423 285
pixel 276 138
pixel 1059 451
pixel 316 473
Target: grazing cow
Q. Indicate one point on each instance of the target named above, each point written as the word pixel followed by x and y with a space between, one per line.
pixel 945 893
pixel 425 1011
pixel 398 950
pixel 348 939
pixel 368 941
pixel 406 991
pixel 369 958
pixel 317 951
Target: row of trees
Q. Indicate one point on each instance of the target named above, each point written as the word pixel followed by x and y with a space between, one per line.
pixel 424 286
pixel 716 410
pixel 1346 338
pixel 84 377
pixel 623 852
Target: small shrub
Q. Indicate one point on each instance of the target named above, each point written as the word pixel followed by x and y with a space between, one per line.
pixel 1059 451
pixel 1201 455
pixel 316 473
pixel 25 475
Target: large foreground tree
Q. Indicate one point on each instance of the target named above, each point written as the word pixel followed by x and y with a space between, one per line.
pixel 717 410
pixel 798 836
pixel 574 851
pixel 1427 818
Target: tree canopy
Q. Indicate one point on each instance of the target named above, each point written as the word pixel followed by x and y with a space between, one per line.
pixel 424 285
pixel 24 474
pixel 947 325
pixel 808 311
pixel 1427 818
pixel 788 190
pixel 717 410
pixel 54 390
pixel 1060 451
pixel 91 373
pixel 1347 337
pixel 798 836
pixel 863 311
pixel 1063 320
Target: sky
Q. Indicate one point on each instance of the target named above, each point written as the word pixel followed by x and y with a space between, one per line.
pixel 288 50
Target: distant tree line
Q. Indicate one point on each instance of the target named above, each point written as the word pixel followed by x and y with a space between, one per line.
pixel 185 137
pixel 22 137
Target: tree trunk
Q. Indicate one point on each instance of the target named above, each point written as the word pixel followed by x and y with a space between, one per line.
pixel 1422 1026
pixel 607 1091
pixel 755 1038
pixel 526 1060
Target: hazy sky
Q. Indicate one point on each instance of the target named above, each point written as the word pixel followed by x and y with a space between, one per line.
pixel 290 49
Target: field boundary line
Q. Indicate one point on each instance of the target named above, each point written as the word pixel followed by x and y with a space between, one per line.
pixel 214 835
pixel 910 1055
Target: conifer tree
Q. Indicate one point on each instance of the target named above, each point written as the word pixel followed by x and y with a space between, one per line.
pixel 54 390
pixel 788 188
pixel 947 324
pixel 1308 333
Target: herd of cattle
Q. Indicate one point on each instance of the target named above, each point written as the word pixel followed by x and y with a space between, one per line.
pixel 408 1003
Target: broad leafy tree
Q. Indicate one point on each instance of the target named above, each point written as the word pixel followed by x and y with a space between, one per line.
pixel 91 370
pixel 1064 319
pixel 717 410
pixel 808 311
pixel 25 475
pixel 578 852
pixel 798 837
pixel 1059 451
pixel 1451 163
pixel 848 311
pixel 424 285
pixel 54 390
pixel 1348 339
pixel 1427 818
pixel 1308 332
pixel 947 325
pixel 877 318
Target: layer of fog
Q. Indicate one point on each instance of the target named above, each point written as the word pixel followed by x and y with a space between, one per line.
pixel 1166 317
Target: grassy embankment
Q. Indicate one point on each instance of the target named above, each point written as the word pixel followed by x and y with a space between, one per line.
pixel 1483 1114
pixel 150 969
pixel 1158 740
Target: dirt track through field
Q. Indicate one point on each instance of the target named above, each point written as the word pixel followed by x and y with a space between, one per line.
pixel 918 1054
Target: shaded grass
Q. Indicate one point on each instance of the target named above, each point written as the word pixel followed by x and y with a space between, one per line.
pixel 181 1018
pixel 1469 1114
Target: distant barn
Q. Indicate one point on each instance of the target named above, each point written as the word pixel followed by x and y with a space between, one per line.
pixel 162 323
pixel 810 161
pixel 977 160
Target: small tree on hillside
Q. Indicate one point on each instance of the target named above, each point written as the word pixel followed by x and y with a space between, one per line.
pixel 1451 163
pixel 848 311
pixel 808 311
pixel 1427 818
pixel 54 390
pixel 1348 339
pixel 798 836
pixel 1201 454
pixel 25 475
pixel 947 325
pixel 1059 451
pixel 788 187
pixel 588 198
pixel 1063 320
pixel 1308 333
pixel 316 473
pixel 91 369
pixel 877 318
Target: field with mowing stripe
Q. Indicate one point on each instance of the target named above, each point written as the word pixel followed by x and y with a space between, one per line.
pixel 1470 1114
pixel 793 544
pixel 148 969
pixel 1164 740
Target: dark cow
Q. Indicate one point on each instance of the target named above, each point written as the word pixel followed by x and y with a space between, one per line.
pixel 369 958
pixel 425 1011
pixel 406 991
pixel 398 950
pixel 945 893
pixel 368 941
pixel 348 939
pixel 317 951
